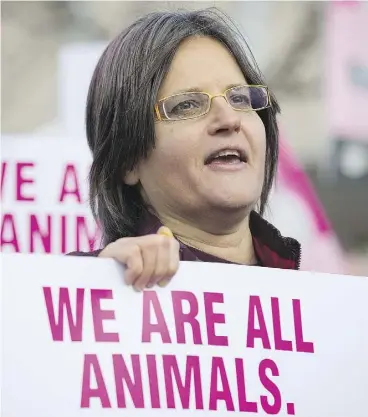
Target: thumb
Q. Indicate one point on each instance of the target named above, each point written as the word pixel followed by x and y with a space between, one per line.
pixel 165 231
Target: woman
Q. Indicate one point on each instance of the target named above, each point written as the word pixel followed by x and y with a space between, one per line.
pixel 184 139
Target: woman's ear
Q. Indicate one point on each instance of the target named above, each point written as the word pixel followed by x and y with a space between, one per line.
pixel 132 177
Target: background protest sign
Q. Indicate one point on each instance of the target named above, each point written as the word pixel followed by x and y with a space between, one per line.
pixel 220 338
pixel 44 195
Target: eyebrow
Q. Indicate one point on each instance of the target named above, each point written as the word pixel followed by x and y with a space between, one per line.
pixel 200 90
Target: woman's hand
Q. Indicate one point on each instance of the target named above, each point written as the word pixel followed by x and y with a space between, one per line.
pixel 149 260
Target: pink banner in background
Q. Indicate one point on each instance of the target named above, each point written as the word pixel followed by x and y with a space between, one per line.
pixel 295 178
pixel 299 213
pixel 346 75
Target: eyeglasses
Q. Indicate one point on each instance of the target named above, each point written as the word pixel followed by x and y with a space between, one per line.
pixel 190 105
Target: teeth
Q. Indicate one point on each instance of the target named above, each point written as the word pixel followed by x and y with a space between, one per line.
pixel 228 153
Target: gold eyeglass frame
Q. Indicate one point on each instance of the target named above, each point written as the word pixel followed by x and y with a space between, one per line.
pixel 211 97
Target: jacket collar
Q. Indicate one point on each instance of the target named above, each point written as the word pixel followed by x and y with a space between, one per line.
pixel 272 249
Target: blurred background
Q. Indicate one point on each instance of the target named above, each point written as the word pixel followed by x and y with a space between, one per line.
pixel 314 56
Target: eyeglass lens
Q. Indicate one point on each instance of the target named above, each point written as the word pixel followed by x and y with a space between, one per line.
pixel 189 105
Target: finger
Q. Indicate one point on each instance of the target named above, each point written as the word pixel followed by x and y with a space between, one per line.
pixel 149 255
pixel 128 254
pixel 119 250
pixel 134 263
pixel 165 231
pixel 174 262
pixel 162 261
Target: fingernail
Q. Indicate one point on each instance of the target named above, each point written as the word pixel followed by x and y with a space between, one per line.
pixel 163 283
pixel 165 231
pixel 150 285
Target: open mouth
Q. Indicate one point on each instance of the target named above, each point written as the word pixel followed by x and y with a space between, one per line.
pixel 226 156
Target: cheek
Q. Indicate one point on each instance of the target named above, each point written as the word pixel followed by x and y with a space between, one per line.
pixel 262 149
pixel 167 165
pixel 171 167
pixel 167 149
pixel 257 139
pixel 174 146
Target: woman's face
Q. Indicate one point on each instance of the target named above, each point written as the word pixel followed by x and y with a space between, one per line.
pixel 176 178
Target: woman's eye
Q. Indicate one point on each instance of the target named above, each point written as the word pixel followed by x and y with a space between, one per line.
pixel 240 98
pixel 185 105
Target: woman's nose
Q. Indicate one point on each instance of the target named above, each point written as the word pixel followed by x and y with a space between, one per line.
pixel 225 118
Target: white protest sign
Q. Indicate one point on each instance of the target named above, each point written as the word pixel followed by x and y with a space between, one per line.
pixel 219 339
pixel 44 195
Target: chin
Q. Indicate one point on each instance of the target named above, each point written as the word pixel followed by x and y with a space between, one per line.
pixel 234 204
pixel 234 198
